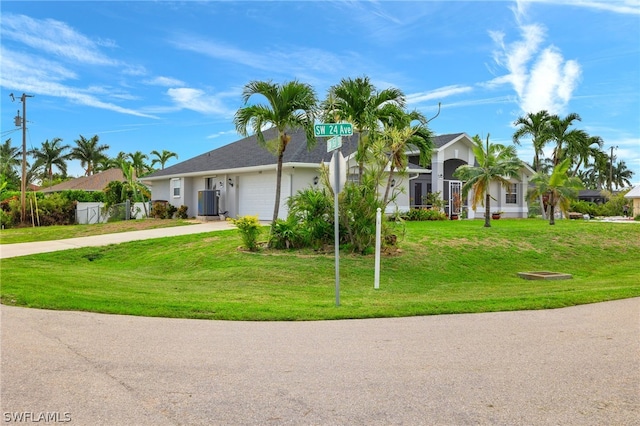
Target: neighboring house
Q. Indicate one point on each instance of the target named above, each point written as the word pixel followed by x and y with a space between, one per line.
pixel 597 196
pixel 95 182
pixel 240 178
pixel 634 197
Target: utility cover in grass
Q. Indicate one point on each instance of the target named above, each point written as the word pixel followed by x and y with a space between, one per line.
pixel 544 275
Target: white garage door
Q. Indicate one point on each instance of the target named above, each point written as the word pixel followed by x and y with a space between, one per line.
pixel 257 194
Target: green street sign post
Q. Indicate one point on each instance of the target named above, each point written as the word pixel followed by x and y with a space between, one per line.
pixel 334 143
pixel 333 129
pixel 336 131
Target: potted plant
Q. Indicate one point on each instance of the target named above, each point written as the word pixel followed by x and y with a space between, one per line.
pixel 496 215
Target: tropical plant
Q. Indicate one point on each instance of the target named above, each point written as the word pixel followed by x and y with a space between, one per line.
pixel 138 163
pixel 289 106
pixel 558 189
pixel 496 162
pixel 162 157
pixel 89 153
pixel 536 126
pixel 250 229
pixel 399 136
pixel 358 102
pixel 10 158
pixel 51 154
pixel 563 136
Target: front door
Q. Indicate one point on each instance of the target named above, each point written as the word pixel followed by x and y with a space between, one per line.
pixel 455 197
pixel 417 194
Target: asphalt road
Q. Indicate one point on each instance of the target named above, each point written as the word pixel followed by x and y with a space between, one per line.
pixel 571 366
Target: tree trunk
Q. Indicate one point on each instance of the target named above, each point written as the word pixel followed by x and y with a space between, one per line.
pixel 552 212
pixel 276 207
pixel 386 192
pixel 487 211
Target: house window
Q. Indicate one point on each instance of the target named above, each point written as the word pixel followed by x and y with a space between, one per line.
pixel 512 195
pixel 176 187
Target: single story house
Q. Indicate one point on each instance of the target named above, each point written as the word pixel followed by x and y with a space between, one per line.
pixel 95 182
pixel 240 178
pixel 634 197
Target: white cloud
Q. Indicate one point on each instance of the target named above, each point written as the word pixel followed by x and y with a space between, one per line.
pixel 197 100
pixel 54 37
pixel 540 76
pixel 165 81
pixel 625 7
pixel 437 94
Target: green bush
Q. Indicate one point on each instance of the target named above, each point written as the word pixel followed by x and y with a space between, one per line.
pixel 587 207
pixel 312 211
pixel 84 196
pixel 182 212
pixel 250 229
pixel 423 214
pixel 285 234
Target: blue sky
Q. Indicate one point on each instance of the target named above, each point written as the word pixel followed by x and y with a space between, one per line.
pixel 148 75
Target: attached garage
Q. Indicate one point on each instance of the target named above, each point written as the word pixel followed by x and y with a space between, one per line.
pixel 257 193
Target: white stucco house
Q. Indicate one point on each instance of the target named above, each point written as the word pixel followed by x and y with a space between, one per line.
pixel 239 178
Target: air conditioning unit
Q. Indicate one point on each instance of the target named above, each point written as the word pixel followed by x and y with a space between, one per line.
pixel 208 202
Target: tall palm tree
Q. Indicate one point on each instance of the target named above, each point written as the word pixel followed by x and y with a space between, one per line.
pixel 400 136
pixel 162 157
pixel 51 154
pixel 560 133
pixel 536 126
pixel 138 162
pixel 88 152
pixel 558 188
pixel 497 163
pixel 289 106
pixel 621 175
pixel 582 148
pixel 10 158
pixel 358 102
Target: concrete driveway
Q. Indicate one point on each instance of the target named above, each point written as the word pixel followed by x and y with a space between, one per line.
pixel 572 366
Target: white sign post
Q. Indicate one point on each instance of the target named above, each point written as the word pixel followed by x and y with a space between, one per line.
pixel 376 274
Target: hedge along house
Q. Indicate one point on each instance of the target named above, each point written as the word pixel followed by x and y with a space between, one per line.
pixel 239 179
pixel 450 152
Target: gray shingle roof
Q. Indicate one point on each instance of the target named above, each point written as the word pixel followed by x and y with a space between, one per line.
pixel 247 153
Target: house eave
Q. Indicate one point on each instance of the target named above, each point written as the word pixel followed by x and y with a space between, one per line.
pixel 237 170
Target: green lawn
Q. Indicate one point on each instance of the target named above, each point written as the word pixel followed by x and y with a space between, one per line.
pixel 30 234
pixel 442 267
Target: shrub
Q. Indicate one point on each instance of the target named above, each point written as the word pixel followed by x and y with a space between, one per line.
pixel 311 216
pixel 182 212
pixel 284 234
pixel 424 214
pixel 250 229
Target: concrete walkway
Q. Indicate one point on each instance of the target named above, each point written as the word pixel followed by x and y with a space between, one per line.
pixel 572 366
pixel 24 249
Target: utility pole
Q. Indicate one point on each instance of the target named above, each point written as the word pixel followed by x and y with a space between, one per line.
pixel 611 171
pixel 23 183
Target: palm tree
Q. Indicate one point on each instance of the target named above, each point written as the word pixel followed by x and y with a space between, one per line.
pixel 89 153
pixel 162 157
pixel 582 149
pixel 558 188
pixel 10 158
pixel 358 102
pixel 400 136
pixel 137 161
pixel 563 137
pixel 49 155
pixel 496 162
pixel 621 175
pixel 289 106
pixel 536 126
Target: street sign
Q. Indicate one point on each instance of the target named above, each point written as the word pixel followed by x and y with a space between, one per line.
pixel 333 129
pixel 334 143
